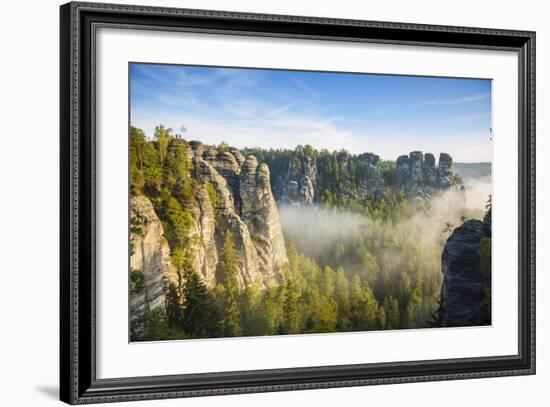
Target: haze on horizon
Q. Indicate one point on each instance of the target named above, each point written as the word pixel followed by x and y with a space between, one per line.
pixel 388 115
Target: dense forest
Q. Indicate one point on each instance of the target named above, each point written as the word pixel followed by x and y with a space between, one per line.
pixel 381 272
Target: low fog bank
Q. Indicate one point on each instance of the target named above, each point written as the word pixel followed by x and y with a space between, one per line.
pixel 316 230
pixel 448 210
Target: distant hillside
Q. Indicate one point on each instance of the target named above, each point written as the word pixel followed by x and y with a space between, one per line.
pixel 472 170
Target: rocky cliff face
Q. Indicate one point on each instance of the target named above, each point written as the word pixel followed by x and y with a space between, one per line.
pixel 259 213
pixel 371 187
pixel 463 293
pixel 150 261
pixel 297 185
pixel 417 172
pixel 246 207
pixel 231 195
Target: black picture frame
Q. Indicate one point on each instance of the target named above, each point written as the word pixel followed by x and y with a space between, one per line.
pixel 78 382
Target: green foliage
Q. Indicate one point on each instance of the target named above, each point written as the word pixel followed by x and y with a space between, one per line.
pixel 488 210
pixel 231 321
pixel 135 225
pixel 364 307
pixel 163 137
pixel 485 256
pixel 436 317
pixel 145 169
pixel 153 325
pixel 174 310
pixel 135 228
pixel 393 315
pixel 178 223
pixel 212 194
pixel 200 317
pixel 378 278
pixel 137 281
pixel 389 172
pixel 223 147
pixel 291 318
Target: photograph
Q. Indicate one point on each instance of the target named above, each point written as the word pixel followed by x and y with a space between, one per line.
pixel 276 202
pixel 256 201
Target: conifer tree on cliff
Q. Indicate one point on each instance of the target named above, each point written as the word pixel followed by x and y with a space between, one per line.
pixel 231 320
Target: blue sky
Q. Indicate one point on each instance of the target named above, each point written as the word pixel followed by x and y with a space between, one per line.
pixel 387 115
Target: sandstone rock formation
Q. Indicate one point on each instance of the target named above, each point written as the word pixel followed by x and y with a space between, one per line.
pixel 371 186
pixel 445 171
pixel 231 195
pixel 417 172
pixel 150 257
pixel 429 170
pixel 259 213
pixel 297 186
pixel 203 237
pixel 463 292
pixel 245 206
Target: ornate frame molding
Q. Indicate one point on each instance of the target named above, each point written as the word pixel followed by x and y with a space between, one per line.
pixel 79 21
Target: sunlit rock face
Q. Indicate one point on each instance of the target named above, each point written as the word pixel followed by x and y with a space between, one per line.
pixel 464 290
pixel 150 257
pixel 245 207
pixel 232 194
pixel 260 214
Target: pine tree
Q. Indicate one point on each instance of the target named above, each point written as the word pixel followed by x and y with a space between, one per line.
pixel 173 306
pixel 391 307
pixel 163 137
pixel 229 265
pixel 364 306
pixel 488 210
pixel 290 309
pixel 199 314
pixel 381 318
pixel 342 298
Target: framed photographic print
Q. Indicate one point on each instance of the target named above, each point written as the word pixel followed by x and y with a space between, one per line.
pixel 256 203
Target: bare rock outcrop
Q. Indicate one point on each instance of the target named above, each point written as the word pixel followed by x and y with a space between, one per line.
pixel 297 185
pixel 204 249
pixel 445 171
pixel 418 174
pixel 463 292
pixel 403 168
pixel 260 214
pixel 231 194
pixel 150 258
pixel 226 218
pixel 244 205
pixel 430 172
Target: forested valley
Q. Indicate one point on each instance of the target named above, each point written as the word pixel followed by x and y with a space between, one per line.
pixel 360 250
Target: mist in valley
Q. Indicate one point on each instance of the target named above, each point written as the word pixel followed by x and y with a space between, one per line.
pixel 316 231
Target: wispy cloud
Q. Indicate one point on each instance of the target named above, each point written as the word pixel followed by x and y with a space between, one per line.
pixel 454 101
pixel 275 112
pixel 278 109
pixel 471 117
pixel 305 87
